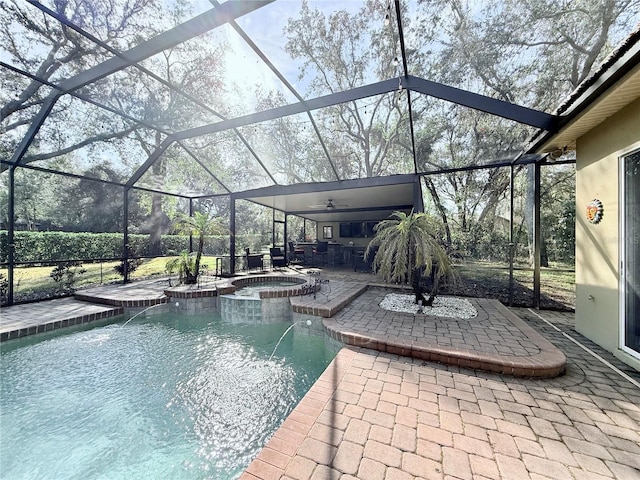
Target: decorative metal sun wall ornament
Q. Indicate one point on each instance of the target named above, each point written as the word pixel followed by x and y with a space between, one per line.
pixel 595 211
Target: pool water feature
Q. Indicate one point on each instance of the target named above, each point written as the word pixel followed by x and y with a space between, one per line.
pixel 145 311
pixel 174 397
pixel 309 324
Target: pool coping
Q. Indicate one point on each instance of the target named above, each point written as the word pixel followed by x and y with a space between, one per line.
pixel 303 286
pixel 35 325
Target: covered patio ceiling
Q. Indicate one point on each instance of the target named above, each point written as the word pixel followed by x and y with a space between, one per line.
pixel 371 199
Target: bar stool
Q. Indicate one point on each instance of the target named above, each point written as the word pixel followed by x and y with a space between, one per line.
pixel 296 252
pixel 320 250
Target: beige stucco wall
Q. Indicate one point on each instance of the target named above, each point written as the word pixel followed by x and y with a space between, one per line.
pixel 597 246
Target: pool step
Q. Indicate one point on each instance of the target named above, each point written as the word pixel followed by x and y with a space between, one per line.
pixel 325 305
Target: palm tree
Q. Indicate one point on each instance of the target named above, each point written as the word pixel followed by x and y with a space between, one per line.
pixel 408 247
pixel 199 225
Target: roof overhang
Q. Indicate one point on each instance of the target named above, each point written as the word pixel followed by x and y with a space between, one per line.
pixel 364 199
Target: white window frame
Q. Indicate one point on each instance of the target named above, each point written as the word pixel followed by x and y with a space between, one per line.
pixel 622 254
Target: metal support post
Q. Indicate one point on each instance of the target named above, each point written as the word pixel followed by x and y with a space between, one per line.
pixel 11 246
pixel 125 223
pixel 286 239
pixel 232 236
pixel 511 233
pixel 126 235
pixel 537 235
pixel 190 231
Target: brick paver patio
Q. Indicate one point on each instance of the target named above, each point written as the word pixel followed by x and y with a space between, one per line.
pixel 376 416
pixel 494 340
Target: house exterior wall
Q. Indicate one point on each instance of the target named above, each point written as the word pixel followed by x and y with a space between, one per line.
pixel 598 245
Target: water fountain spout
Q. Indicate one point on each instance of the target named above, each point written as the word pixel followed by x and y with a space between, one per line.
pixel 285 332
pixel 142 311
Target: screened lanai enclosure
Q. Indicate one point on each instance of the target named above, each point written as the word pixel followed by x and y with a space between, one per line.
pixel 289 122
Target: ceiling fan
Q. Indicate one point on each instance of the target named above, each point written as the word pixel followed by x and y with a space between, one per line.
pixel 329 205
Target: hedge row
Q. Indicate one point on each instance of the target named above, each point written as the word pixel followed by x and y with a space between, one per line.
pixel 56 246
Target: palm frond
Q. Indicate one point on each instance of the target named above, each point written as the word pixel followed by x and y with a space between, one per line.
pixel 408 243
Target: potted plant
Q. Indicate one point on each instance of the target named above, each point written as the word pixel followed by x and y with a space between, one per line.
pixel 188 265
pixel 184 265
pixel 408 249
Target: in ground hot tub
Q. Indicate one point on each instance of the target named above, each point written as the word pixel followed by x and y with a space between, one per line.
pixel 263 299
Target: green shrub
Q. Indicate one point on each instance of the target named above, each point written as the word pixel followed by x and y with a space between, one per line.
pixel 4 288
pixel 66 274
pixel 48 247
pixel 131 264
pixel 56 246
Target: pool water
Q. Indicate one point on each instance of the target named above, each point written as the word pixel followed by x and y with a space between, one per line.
pixel 168 397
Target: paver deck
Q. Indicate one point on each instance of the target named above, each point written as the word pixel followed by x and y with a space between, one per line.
pixel 29 319
pixel 137 294
pixel 379 416
pixel 495 340
pixel 88 305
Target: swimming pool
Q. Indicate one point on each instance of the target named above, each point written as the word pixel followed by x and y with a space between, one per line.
pixel 175 397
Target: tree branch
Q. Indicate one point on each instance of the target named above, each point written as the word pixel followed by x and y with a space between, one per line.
pixel 87 141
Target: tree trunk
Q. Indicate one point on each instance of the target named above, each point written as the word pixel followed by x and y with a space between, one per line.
pixel 441 210
pixel 498 186
pixel 199 255
pixel 157 220
pixel 544 255
pixel 416 285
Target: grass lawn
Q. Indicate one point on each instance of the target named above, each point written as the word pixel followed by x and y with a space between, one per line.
pixel 33 281
pixel 491 280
